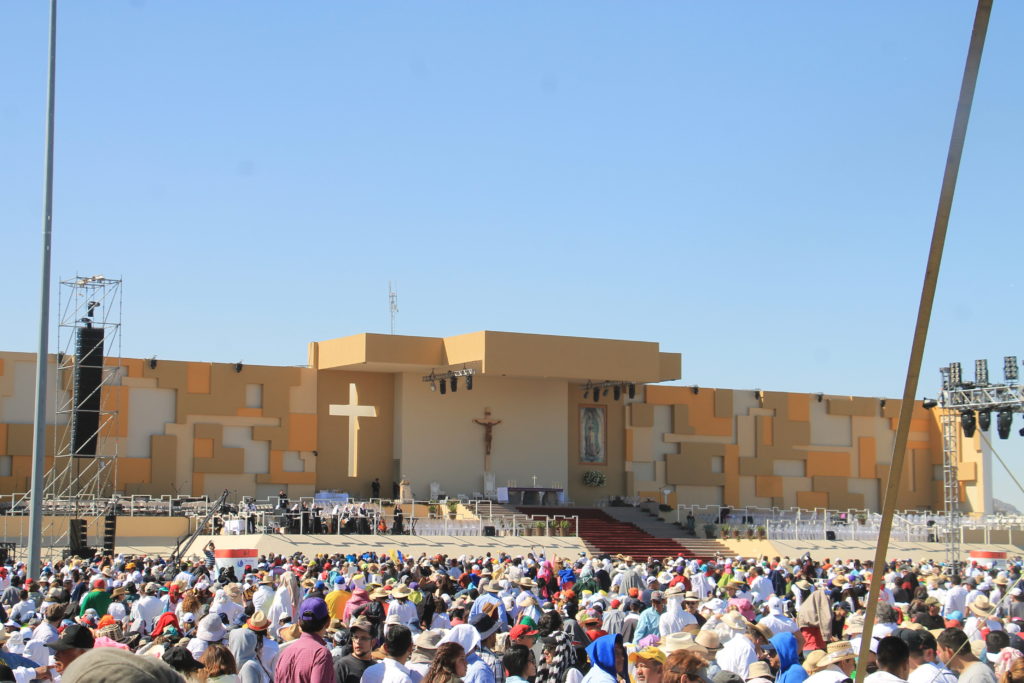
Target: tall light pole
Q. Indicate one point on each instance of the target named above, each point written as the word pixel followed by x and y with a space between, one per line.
pixel 35 533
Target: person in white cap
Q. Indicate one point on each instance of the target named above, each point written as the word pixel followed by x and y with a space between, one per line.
pixel 776 618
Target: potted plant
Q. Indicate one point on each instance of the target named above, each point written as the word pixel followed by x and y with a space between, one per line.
pixel 433 509
pixel 594 479
pixel 564 527
pixel 726 529
pixel 540 526
pixel 710 531
pixel 453 508
pixel 553 527
pixel 750 532
pixel 761 533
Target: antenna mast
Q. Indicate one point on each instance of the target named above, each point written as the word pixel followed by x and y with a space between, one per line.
pixel 392 305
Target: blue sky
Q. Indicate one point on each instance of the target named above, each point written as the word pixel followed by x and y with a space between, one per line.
pixel 752 184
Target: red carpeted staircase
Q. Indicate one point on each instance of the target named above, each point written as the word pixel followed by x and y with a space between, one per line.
pixel 602 534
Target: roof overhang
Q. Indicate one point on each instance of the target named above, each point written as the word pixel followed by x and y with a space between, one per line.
pixel 510 354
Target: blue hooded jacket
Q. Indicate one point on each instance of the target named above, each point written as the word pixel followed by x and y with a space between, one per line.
pixel 602 656
pixel 790 670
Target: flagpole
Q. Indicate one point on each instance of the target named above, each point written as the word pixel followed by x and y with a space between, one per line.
pixel 35 534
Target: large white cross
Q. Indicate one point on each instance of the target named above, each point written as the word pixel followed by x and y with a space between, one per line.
pixel 353 411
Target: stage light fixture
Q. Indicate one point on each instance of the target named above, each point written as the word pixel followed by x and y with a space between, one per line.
pixel 967 422
pixel 1004 420
pixel 597 394
pixel 93 305
pixel 152 363
pixel 928 403
pixel 984 419
pixel 981 372
pixel 1010 368
pixel 433 385
pixel 821 397
pixel 695 389
pixel 632 390
pixel 955 375
pixel 758 394
pixel 881 403
pixel 455 384
pixel 444 386
pixel 238 366
pixel 469 382
pixel 605 391
pixel 617 392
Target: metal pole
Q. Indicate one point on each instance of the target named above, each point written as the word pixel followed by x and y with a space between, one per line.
pixel 924 312
pixel 35 534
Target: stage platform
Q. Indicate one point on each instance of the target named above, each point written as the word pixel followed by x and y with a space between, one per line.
pixel 409 545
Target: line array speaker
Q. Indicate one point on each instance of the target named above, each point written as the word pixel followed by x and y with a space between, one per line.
pixel 85 418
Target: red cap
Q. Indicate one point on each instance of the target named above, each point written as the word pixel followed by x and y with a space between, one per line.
pixel 521 631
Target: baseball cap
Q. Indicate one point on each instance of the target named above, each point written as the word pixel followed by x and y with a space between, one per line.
pixel 313 609
pixel 180 659
pixel 521 631
pixel 651 652
pixel 74 636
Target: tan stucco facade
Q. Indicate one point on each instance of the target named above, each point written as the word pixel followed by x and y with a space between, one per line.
pixel 361 410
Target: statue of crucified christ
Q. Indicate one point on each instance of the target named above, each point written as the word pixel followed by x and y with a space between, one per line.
pixel 488 424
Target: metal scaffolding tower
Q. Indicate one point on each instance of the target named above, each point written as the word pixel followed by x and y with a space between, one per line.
pixel 970 405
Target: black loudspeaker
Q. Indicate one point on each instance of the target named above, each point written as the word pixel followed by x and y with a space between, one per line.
pixel 78 538
pixel 109 534
pixel 830 535
pixel 6 551
pixel 490 531
pixel 85 420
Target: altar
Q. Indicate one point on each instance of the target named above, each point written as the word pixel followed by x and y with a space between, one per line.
pixel 531 495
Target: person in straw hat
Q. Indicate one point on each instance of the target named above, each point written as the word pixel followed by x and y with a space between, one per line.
pixel 837 664
pixel 489 596
pixel 424 648
pixel 760 672
pixel 675 618
pixel 982 618
pixel 402 609
pixel 743 649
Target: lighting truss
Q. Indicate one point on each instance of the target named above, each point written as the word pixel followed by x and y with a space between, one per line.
pixel 959 400
pixel 447 377
pixel 618 389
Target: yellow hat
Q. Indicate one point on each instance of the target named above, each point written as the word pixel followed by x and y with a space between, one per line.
pixel 648 653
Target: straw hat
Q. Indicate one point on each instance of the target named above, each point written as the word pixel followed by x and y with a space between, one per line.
pixel 258 621
pixel 735 621
pixel 709 640
pixel 803 584
pixel 527 582
pixel 812 660
pixel 691 596
pixel 378 594
pixel 760 669
pixel 492 587
pixel 838 651
pixel 682 641
pixel 981 606
pixel 401 591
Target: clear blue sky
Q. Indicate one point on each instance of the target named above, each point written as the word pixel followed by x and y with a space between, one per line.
pixel 752 184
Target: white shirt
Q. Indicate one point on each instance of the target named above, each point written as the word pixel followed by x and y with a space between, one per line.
pixel 883 677
pixel 930 672
pixel 761 587
pixel 780 623
pixel 389 671
pixel 674 622
pixel 956 600
pixel 145 612
pixel 830 674
pixel 737 655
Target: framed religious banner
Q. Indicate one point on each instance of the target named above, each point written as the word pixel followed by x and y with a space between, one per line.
pixel 593 435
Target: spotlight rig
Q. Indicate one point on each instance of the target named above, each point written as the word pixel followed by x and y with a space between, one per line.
pixel 449 379
pixel 596 390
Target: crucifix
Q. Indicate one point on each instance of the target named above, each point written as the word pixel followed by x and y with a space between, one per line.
pixel 353 411
pixel 488 424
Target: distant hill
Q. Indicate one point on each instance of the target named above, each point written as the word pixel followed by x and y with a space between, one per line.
pixel 999 507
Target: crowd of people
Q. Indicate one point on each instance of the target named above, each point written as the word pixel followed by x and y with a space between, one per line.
pixel 370 618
